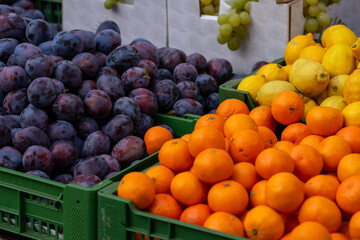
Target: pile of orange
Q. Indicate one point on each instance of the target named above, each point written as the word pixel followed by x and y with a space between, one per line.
pixel 232 174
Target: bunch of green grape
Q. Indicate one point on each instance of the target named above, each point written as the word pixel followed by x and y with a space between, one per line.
pixel 316 15
pixel 233 26
pixel 209 7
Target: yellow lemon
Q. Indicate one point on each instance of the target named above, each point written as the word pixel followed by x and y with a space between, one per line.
pixel 355 48
pixel 321 97
pixel 296 65
pixel 297 44
pixel 273 71
pixel 351 114
pixel 287 69
pixel 270 90
pixel 309 104
pixel 311 78
pixel 336 85
pixel 315 52
pixel 338 34
pixel 337 102
pixel 351 89
pixel 251 84
pixel 339 59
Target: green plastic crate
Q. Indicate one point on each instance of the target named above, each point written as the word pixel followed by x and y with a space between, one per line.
pixel 43 209
pixel 118 219
pixel 51 9
pixel 228 89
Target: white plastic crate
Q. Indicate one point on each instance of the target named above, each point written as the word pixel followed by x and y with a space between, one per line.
pixel 272 26
pixel 136 18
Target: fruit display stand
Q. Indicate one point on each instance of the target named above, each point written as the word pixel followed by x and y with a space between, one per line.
pixel 119 219
pixel 51 9
pixel 43 209
pixel 266 40
pixel 136 18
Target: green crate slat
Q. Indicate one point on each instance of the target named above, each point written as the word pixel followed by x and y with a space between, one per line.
pixel 43 209
pixel 119 219
pixel 52 9
pixel 228 89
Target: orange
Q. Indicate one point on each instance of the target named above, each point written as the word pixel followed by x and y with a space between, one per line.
pixel 245 174
pixel 186 137
pixel 257 194
pixel 196 214
pixel 351 135
pixel 287 107
pixel 268 136
pixel 310 231
pixel 312 140
pixel 322 185
pixel 238 122
pixel 286 237
pixel 225 222
pixel 291 221
pixel 344 229
pixel 322 210
pixel 332 149
pixel 175 155
pixel 284 146
pixel 162 177
pixel 228 196
pixel 349 166
pixel 295 132
pixel 324 121
pixel 263 222
pixel 348 195
pixel 245 145
pixel 155 137
pixel 308 161
pixel 165 205
pixel 213 165
pixel 137 187
pixel 210 120
pixel 354 226
pixel 204 138
pixel 338 236
pixel 263 117
pixel 272 161
pixel 188 189
pixel 230 107
pixel 284 192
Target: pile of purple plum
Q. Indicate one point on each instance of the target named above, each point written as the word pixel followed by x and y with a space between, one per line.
pixel 75 105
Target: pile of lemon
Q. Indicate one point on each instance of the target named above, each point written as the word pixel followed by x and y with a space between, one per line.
pixel 325 74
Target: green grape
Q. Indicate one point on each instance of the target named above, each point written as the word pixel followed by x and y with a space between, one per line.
pixel 239 4
pixel 233 11
pixel 205 2
pixel 305 12
pixel 247 6
pixel 323 19
pixel 234 43
pixel 240 31
pixel 305 4
pixel 234 20
pixel 221 39
pixel 208 10
pixel 312 2
pixel 311 25
pixel 313 11
pixel 326 2
pixel 244 18
pixel 336 1
pixel 225 30
pixel 117 0
pixel 222 18
pixel 322 7
pixel 109 4
pixel 216 2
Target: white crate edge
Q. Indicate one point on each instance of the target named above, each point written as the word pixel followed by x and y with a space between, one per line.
pixel 142 19
pixel 272 26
